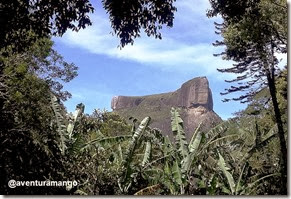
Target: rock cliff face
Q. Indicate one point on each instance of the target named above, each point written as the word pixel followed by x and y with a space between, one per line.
pixel 194 98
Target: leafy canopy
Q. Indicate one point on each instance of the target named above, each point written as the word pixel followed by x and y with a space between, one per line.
pixel 44 18
pixel 129 17
pixel 54 18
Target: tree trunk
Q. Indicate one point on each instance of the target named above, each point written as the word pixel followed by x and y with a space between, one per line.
pixel 283 146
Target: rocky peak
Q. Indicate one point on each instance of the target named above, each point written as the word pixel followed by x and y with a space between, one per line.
pixel 194 97
pixel 195 93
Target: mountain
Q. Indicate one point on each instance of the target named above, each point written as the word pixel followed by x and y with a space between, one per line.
pixel 194 98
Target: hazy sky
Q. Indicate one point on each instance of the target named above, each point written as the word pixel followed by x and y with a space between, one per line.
pixel 150 66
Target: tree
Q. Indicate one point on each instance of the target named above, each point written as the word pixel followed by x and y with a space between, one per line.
pixel 44 18
pixel 47 18
pixel 28 134
pixel 253 32
pixel 23 22
pixel 128 17
pixel 30 70
pixel 42 61
pixel 28 149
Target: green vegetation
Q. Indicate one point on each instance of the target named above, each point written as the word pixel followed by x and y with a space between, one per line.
pixel 40 140
pixel 150 105
pixel 107 156
pixel 253 32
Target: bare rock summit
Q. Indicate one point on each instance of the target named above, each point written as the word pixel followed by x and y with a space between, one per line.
pixel 194 98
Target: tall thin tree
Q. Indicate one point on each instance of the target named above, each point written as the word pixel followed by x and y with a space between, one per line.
pixel 253 33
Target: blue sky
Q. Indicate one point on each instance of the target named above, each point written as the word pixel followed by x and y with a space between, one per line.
pixel 149 66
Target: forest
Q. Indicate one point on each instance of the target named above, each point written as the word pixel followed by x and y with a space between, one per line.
pixel 107 155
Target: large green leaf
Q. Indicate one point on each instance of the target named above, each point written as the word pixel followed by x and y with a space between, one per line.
pixel 238 184
pixel 173 177
pixel 218 142
pixel 176 172
pixel 157 161
pixel 72 123
pixel 76 146
pixel 168 179
pixel 188 160
pixel 225 170
pixel 186 164
pixel 251 185
pixel 195 140
pixel 218 130
pixel 108 140
pixel 120 152
pixel 147 153
pixel 125 180
pixel 61 123
pixel 215 136
pixel 179 134
pixel 258 146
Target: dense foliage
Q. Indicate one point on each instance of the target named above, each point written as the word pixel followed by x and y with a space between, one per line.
pixel 107 156
pixel 28 136
pixel 254 32
pixel 43 18
pixel 129 17
pixel 40 140
pixel 48 18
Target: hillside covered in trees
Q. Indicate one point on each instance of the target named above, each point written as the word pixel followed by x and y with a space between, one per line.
pixel 103 153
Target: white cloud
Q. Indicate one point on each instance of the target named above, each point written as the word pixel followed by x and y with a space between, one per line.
pixel 169 53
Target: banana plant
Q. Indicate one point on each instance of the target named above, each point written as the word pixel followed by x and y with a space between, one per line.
pixel 66 126
pixel 180 159
pixel 222 165
pixel 126 179
pixel 142 136
pixel 186 154
pixel 147 153
pixel 105 142
pixel 179 134
pixel 76 117
pixel 179 164
pixel 225 176
pixel 61 123
pixel 238 188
